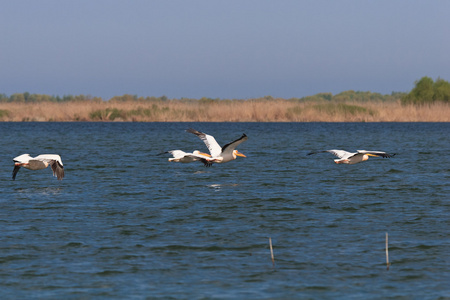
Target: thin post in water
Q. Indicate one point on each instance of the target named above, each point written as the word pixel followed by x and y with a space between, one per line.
pixel 271 251
pixel 387 253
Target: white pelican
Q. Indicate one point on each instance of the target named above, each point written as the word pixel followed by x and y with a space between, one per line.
pixel 219 154
pixel 185 157
pixel 39 162
pixel 353 158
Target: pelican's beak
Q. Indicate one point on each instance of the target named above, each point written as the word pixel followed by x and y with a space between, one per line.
pixel 369 154
pixel 240 154
pixel 204 154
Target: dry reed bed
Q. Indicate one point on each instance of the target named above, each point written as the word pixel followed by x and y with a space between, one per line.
pixel 278 110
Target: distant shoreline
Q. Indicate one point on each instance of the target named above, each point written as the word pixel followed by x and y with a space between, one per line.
pixel 260 110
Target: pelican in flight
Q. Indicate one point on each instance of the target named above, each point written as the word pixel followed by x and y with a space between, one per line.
pixel 39 162
pixel 219 154
pixel 185 157
pixel 355 157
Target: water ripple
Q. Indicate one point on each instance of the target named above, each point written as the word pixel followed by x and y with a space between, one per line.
pixel 132 225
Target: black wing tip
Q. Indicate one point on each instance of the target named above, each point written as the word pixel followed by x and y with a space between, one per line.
pixel 60 174
pixel 58 169
pixel 314 152
pixel 385 155
pixel 15 170
pixel 196 132
pixel 244 136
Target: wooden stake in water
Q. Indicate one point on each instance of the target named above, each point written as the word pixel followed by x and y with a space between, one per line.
pixel 271 251
pixel 387 253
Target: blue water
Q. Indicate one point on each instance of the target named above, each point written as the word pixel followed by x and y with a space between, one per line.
pixel 127 224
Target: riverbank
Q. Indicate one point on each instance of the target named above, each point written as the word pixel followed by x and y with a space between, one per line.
pixel 274 110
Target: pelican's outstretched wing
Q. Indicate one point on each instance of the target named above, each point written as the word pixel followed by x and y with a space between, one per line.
pixel 231 146
pixel 54 160
pixel 48 157
pixel 210 142
pixel 206 160
pixel 176 153
pixel 338 153
pixel 376 153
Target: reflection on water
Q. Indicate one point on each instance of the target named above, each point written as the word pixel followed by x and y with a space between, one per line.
pixel 218 186
pixel 40 190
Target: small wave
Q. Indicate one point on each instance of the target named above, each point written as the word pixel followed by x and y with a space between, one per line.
pixel 394 171
pixel 109 272
pixel 350 208
pixel 73 245
pixel 424 152
pixel 425 247
pixel 209 248
pixel 201 172
pixel 325 207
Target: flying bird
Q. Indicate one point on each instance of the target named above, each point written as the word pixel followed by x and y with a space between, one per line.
pixel 185 157
pixel 38 163
pixel 219 154
pixel 355 157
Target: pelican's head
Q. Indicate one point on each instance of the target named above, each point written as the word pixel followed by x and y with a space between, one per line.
pixel 237 153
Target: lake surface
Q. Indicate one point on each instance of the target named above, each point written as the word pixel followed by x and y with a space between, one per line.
pixel 127 224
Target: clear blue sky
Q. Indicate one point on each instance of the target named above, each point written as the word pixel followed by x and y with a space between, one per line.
pixel 221 49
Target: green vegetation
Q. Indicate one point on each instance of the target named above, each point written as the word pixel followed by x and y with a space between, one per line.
pixel 357 96
pixel 425 91
pixel 147 112
pixel 428 91
pixel 354 96
pixel 4 113
pixel 36 98
pixel 296 110
pixel 112 114
pixel 128 98
pixel 341 108
pixel 108 114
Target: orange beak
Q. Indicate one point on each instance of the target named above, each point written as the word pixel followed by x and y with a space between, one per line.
pixel 240 154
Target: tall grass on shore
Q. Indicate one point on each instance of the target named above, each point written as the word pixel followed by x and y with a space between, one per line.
pixel 256 110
